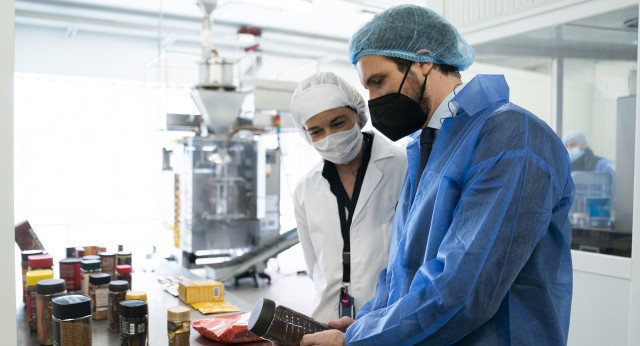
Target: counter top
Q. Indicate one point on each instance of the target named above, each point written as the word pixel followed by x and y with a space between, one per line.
pixel 159 301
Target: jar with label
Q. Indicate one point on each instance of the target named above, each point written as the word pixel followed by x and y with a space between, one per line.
pixel 123 272
pixel 108 263
pixel 133 323
pixel 88 267
pixel 71 320
pixel 280 324
pixel 123 257
pixel 117 292
pixel 70 273
pixel 33 277
pixel 99 294
pixel 46 290
pixel 179 325
pixel 25 268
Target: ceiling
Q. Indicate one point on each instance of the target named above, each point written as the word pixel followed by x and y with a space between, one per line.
pixel 301 28
pixel 314 29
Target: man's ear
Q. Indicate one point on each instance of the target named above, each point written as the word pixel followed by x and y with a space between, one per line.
pixel 425 67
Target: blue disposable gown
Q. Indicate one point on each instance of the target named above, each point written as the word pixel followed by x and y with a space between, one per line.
pixel 481 255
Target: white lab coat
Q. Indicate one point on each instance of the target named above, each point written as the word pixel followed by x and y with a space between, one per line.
pixel 318 222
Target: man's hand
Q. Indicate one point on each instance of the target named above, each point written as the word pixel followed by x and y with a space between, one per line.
pixel 332 337
pixel 342 324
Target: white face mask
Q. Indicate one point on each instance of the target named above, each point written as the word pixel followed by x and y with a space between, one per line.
pixel 575 153
pixel 342 147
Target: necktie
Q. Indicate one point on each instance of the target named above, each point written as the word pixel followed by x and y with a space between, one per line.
pixel 427 138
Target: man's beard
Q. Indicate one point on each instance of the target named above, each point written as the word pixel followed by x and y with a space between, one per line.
pixel 414 89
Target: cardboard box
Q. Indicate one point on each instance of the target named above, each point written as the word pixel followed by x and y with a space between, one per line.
pixel 195 291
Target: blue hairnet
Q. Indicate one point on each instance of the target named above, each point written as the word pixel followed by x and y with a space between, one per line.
pixel 574 135
pixel 406 30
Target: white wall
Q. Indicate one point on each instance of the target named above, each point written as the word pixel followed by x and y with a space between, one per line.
pixel 7 303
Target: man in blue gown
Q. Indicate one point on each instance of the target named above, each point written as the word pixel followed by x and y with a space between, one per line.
pixel 480 250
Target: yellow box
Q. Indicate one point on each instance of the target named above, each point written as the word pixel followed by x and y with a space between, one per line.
pixel 195 291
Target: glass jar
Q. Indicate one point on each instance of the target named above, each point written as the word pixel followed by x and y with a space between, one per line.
pixel 133 323
pixel 71 317
pixel 123 272
pixel 117 292
pixel 88 267
pixel 25 268
pixel 99 294
pixel 179 325
pixel 123 257
pixel 33 277
pixel 108 263
pixel 70 273
pixel 280 324
pixel 46 290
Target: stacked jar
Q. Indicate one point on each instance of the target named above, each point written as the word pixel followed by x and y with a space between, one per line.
pixel 88 267
pixel 117 293
pixel 33 277
pixel 123 272
pixel 179 325
pixel 70 273
pixel 133 323
pixel 25 268
pixel 72 321
pixel 99 294
pixel 108 263
pixel 41 261
pixel 46 291
pixel 123 257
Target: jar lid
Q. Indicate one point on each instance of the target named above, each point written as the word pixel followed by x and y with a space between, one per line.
pixel 179 313
pixel 90 264
pixel 124 253
pixel 26 253
pixel 106 254
pixel 91 257
pixel 141 295
pixel 33 276
pixel 50 286
pixel 71 260
pixel 261 316
pixel 72 306
pixel 123 268
pixel 134 308
pixel 99 279
pixel 40 261
pixel 119 286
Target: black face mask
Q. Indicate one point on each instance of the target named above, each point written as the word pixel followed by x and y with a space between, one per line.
pixel 397 115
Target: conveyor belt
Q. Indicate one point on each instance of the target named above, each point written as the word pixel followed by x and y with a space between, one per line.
pixel 229 270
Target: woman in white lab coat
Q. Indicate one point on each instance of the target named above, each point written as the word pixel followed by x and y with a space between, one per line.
pixel 350 195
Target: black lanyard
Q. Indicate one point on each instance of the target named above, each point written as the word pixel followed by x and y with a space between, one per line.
pixel 346 206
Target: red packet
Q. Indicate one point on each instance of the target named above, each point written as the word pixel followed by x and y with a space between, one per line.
pixel 231 329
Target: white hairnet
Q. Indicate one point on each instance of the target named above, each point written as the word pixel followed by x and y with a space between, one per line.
pixel 413 33
pixel 321 92
pixel 574 135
